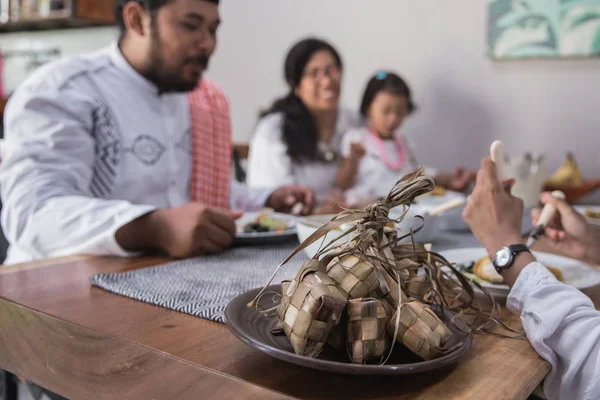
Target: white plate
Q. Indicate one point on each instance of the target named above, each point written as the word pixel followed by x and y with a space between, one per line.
pixel 265 237
pixel 433 201
pixel 308 225
pixel 575 273
pixel 582 209
pixel 450 220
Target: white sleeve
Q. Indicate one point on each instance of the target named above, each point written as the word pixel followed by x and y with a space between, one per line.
pixel 248 199
pixel 351 136
pixel 47 166
pixel 563 326
pixel 269 165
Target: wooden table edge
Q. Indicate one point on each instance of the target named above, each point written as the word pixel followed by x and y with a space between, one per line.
pixel 44 263
pixel 66 261
pixel 19 365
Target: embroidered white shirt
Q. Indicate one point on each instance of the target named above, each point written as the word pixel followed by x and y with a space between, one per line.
pixel 89 146
pixel 563 326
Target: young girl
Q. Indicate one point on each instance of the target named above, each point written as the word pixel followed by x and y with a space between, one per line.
pixel 375 157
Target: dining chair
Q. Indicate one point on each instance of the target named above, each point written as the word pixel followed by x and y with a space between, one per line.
pixel 9 386
pixel 240 154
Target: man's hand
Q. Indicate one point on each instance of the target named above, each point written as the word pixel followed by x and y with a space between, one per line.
pixel 494 215
pixel 190 230
pixel 569 233
pixel 495 218
pixel 286 198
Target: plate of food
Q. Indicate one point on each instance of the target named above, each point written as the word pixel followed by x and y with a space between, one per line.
pixel 264 227
pixel 475 265
pixel 591 213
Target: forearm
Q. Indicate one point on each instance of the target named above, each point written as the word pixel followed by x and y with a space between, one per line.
pixel 522 260
pixel 346 177
pixel 68 225
pixel 141 234
pixel 511 274
pixel 563 327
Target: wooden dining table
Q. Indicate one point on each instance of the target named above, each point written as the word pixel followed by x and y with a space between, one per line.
pixel 82 342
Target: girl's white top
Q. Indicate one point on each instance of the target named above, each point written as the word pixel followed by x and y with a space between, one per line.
pixel 375 179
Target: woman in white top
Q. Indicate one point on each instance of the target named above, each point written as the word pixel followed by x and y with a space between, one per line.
pixel 298 139
pixel 376 156
pixel 561 323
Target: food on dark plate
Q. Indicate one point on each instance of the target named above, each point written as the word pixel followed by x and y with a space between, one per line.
pixel 483 270
pixel 265 222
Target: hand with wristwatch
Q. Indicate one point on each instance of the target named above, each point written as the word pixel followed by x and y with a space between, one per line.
pixel 495 217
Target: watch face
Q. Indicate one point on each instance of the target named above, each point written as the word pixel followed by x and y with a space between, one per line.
pixel 503 257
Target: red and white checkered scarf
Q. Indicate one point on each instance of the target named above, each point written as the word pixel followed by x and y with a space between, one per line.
pixel 211 146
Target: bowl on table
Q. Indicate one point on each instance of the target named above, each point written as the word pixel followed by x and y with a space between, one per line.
pixel 574 192
pixel 450 220
pixel 453 221
pixel 309 225
pixel 430 224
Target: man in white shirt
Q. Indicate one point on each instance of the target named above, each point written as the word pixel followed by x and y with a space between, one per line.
pixel 561 323
pixel 97 154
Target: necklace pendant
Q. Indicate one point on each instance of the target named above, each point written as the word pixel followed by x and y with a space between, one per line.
pixel 329 156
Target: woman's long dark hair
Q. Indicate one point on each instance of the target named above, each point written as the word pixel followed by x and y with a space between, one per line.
pixel 299 130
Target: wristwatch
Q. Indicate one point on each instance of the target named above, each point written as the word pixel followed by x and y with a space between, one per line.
pixel 505 257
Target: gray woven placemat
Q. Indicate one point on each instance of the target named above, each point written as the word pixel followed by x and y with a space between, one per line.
pixel 203 286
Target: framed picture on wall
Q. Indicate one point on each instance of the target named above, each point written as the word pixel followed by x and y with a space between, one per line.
pixel 520 29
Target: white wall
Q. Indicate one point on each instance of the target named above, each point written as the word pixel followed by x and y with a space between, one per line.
pixel 465 99
pixel 70 42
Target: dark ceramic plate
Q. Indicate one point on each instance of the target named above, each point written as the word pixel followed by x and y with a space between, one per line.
pixel 260 238
pixel 253 328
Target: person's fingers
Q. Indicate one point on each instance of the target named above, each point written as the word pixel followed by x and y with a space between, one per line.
pixel 488 166
pixel 236 214
pixel 535 215
pixel 218 236
pixel 488 171
pixel 554 234
pixel 309 201
pixel 222 218
pixel 508 184
pixel 290 200
pixel 560 205
pixel 209 246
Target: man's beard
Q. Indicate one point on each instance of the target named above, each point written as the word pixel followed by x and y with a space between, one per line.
pixel 168 79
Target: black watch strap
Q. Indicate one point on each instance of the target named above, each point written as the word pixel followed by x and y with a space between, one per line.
pixel 508 257
pixel 518 248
